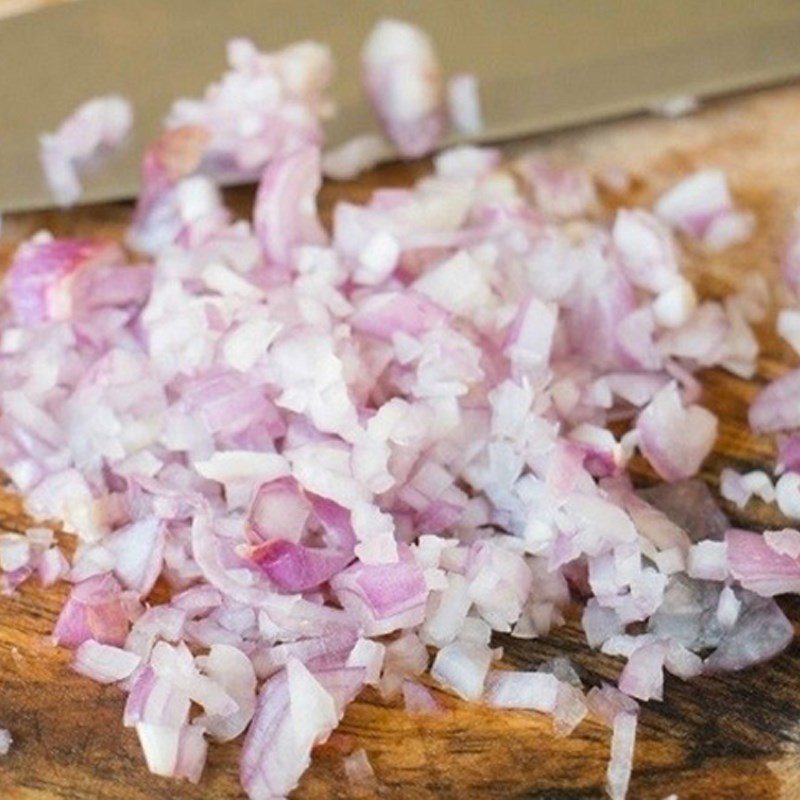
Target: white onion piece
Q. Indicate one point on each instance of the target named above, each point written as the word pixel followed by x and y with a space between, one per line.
pixel 701 206
pixel 570 710
pixel 464 104
pixel 155 701
pixel 359 771
pixel 357 155
pixel 233 671
pixel 674 306
pixel 728 608
pixel 173 752
pixel 296 710
pixel 672 456
pixel 15 552
pixel 52 566
pixel 788 327
pixel 775 407
pixel 285 214
pixel 418 699
pixel 787 494
pixel 404 658
pixel 623 741
pixel 447 619
pixel 173 199
pixel 463 668
pixel 760 568
pixel 785 542
pixel 383 597
pixel 537 691
pixel 647 250
pixel 103 663
pixel 606 703
pixel 238 465
pixel 368 654
pixel 761 632
pixel 94 128
pixel 159 622
pixel 708 561
pixel 402 78
pixel 643 675
pixel 790 263
pixel 138 551
pixel 43 271
pixel 5 741
pixel 94 610
pixel 740 488
pixel 176 666
pixel 561 192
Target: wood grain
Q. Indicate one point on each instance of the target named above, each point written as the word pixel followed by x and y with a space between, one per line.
pixel 734 737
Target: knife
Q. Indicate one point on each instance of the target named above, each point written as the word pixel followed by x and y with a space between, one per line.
pixel 541 64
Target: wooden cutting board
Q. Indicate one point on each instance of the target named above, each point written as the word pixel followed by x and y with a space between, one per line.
pixel 733 737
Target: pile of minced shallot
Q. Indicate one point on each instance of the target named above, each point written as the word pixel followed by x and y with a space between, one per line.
pixel 349 456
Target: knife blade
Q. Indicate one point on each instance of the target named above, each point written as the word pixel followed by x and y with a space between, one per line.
pixel 541 64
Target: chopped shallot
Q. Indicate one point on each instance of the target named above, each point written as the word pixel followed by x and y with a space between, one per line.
pixel 294 457
pixel 623 741
pixel 103 663
pixel 464 104
pixel 357 155
pixel 740 488
pixel 92 130
pixel 418 699
pixel 264 106
pixel 787 494
pixel 702 207
pixel 404 83
pixel 531 690
pixel 359 771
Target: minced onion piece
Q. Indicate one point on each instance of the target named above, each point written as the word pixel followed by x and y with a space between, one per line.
pixel 15 552
pixel 462 667
pixel 757 566
pixel 233 671
pixel 787 494
pixel 740 488
pixel 623 741
pixel 702 207
pixel 418 699
pixel 296 710
pixel 103 663
pixel 5 741
pixel 359 771
pixel 464 104
pixel 94 128
pixel 403 81
pixel 671 456
pixel 396 428
pixel 356 155
pixel 173 752
pixel 530 690
pixel 265 105
pixel 94 610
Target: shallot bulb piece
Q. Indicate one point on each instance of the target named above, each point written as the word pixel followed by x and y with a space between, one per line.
pixel 93 130
pixel 702 207
pixel 404 83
